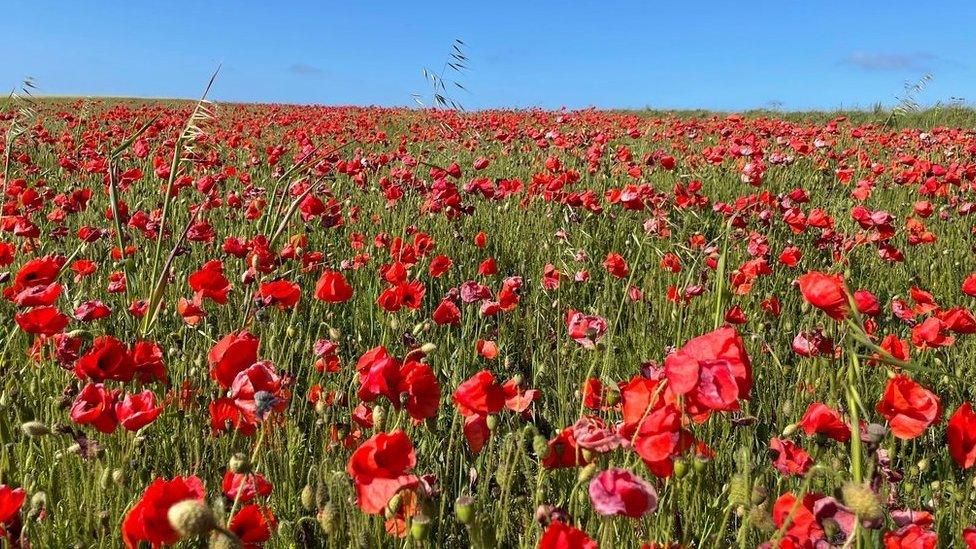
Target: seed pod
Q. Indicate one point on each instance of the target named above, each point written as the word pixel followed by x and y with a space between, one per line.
pixel 586 473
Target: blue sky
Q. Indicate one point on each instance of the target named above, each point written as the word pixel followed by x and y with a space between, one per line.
pixel 692 54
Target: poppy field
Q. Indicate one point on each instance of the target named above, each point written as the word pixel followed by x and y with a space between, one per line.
pixel 294 326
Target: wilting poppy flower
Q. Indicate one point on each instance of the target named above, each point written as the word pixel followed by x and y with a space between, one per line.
pixel 333 288
pixel 620 492
pixel 825 292
pixel 147 520
pixel 788 458
pixel 380 468
pixel 136 411
pixel 232 355
pixel 587 330
pixel 908 407
pixel 961 436
pixel 559 535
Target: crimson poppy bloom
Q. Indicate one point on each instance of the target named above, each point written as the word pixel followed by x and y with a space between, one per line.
pixel 712 369
pixel 136 411
pixel 11 500
pixel 147 520
pixel 825 292
pixel 108 359
pixel 961 436
pixel 283 294
pixel 822 419
pixel 908 407
pixel 210 283
pixel 253 525
pixel 245 487
pixel 232 355
pixel 559 535
pixel 95 406
pixel 333 288
pixel 45 321
pixel 380 468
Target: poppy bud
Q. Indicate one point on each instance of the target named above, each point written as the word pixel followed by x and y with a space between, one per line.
pixel 394 323
pixel 923 464
pixel 327 518
pixel 379 417
pixel 492 422
pixel 428 348
pixel 464 510
pixel 419 527
pixel 321 407
pixel 739 490
pixel 334 334
pixel 191 518
pixel 540 446
pixel 118 477
pixel 37 503
pixel 393 506
pixel 307 498
pixel 239 463
pixel 104 479
pixel 586 473
pixel 612 398
pixel 699 464
pixel 862 500
pixel 34 429
pixel 680 468
pixel 760 518
pixel 290 331
pixel 789 430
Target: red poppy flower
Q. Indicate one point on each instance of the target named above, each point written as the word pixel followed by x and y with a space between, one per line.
pixel 961 436
pixel 447 313
pixel 616 266
pixel 333 288
pixel 11 500
pixel 253 525
pixel 908 407
pixel 232 355
pixel 147 520
pixel 559 535
pixel 108 359
pixel 821 419
pixel 380 468
pixel 245 487
pixel 147 361
pixel 138 410
pixel 620 492
pixel 210 283
pixel 95 406
pixel 825 292
pixel 283 294
pixel 713 369
pixel 45 321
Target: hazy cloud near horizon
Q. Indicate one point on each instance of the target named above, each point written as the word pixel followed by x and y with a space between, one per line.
pixel 919 60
